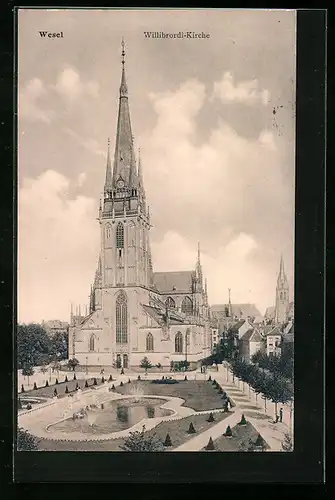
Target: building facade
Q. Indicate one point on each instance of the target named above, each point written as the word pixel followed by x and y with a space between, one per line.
pixel 134 311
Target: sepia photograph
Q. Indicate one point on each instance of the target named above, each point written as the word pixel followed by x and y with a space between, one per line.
pixel 156 222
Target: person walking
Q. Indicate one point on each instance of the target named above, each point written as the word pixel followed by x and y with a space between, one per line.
pixel 281 415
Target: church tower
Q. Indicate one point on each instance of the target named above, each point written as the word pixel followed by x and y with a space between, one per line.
pixel 124 217
pixel 282 295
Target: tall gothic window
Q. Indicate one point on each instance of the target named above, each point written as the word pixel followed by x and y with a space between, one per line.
pixel 170 303
pixel 92 342
pixel 131 234
pixel 187 305
pixel 178 342
pixel 120 235
pixel 150 342
pixel 121 318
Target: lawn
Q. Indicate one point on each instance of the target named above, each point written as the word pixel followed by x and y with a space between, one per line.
pixel 199 395
pixel 48 392
pixel 176 428
pixel 241 438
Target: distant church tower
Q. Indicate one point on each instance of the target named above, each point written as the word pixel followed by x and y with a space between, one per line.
pixel 282 295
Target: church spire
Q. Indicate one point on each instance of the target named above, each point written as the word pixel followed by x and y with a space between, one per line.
pixel 124 159
pixel 198 268
pixel 281 276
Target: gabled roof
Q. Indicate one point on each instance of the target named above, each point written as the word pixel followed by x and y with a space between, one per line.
pixel 238 325
pixel 252 335
pixel 270 312
pixel 173 282
pixel 274 331
pixel 246 309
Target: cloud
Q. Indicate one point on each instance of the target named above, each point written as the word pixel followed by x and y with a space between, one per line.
pixel 58 247
pixel 70 85
pixel 246 92
pixel 29 102
pixel 81 178
pixel 232 267
pixel 88 143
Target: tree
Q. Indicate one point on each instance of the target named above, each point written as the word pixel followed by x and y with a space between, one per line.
pixel 72 363
pixel 278 391
pixel 43 369
pixel 210 444
pixel 59 346
pixel 191 429
pixel 33 345
pixel 287 444
pixel 146 364
pixel 138 441
pixel 167 441
pixel 27 371
pixel 117 363
pixel 25 441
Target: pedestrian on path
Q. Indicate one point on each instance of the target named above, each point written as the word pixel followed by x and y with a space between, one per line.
pixel 281 415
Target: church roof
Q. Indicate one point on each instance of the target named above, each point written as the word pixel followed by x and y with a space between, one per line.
pixel 270 312
pixel 174 281
pixel 158 315
pixel 246 309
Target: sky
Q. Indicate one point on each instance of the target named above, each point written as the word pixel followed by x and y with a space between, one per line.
pixel 214 119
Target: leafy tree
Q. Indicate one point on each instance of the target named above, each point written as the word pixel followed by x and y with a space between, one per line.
pixel 287 444
pixel 146 364
pixel 27 371
pixel 117 363
pixel 59 346
pixel 278 391
pixel 43 369
pixel 72 363
pixel 25 441
pixel 138 441
pixel 33 345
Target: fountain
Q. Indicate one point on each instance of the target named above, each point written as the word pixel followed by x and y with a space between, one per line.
pixel 137 392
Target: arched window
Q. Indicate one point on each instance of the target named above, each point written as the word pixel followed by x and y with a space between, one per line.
pixel 108 231
pixel 120 235
pixel 131 234
pixel 121 318
pixel 187 306
pixel 170 303
pixel 178 342
pixel 150 342
pixel 125 361
pixel 92 342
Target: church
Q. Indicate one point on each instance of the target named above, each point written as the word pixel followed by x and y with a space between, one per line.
pixel 135 312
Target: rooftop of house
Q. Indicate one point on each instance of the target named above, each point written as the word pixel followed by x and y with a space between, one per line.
pixel 252 335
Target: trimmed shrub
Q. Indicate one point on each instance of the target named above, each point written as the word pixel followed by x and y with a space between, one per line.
pixel 66 390
pixel 243 420
pixel 210 444
pixel 167 441
pixel 102 379
pixel 139 377
pixel 260 442
pixel 228 432
pixel 214 382
pixel 185 378
pixel 128 380
pixel 211 418
pixel 35 386
pixel 55 392
pixel 121 384
pixel 102 406
pixel 165 381
pixel 22 388
pixel 74 377
pixel 209 379
pixel 122 371
pixel 163 377
pixel 113 387
pixel 110 378
pixel 95 381
pixel 220 390
pixel 56 381
pixel 46 384
pixel 191 429
pixel 66 379
pixel 86 383
pixel 29 407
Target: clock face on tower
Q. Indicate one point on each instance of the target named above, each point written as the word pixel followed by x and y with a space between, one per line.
pixel 120 183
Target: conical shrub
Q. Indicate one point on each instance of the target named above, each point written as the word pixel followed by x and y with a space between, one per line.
pixel 210 444
pixel 77 386
pixel 185 378
pixel 102 379
pixel 211 418
pixel 128 380
pixel 102 406
pixel 209 379
pixel 35 386
pixel 66 379
pixel 167 441
pixel 55 392
pixel 66 390
pixel 110 378
pixel 22 388
pixel 214 382
pixel 74 377
pixel 243 420
pixel 220 390
pixel 113 387
pixel 191 429
pixel 228 432
pixel 46 384
pixel 139 377
pixel 121 384
pixel 56 381
pixel 260 441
